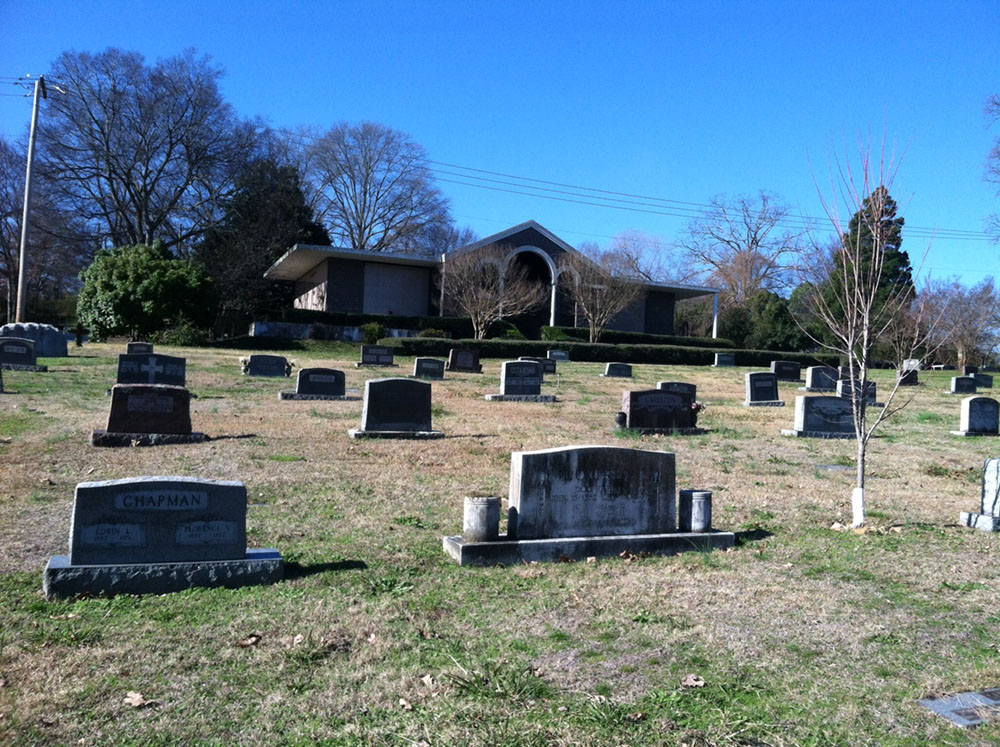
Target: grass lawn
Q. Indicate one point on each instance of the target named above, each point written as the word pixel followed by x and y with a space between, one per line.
pixel 803 635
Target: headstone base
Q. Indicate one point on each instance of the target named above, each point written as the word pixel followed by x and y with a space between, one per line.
pixel 815 434
pixel 614 376
pixel 295 395
pixel 510 552
pixel 23 367
pixel 973 434
pixel 983 522
pixel 60 580
pixel 410 435
pixel 359 364
pixel 765 403
pixel 521 397
pixel 106 438
pixel 662 431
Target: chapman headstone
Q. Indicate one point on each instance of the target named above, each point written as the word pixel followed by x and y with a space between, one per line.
pixel 18 354
pixel 396 408
pixel 963 385
pixel 787 370
pixel 151 535
pixel 980 417
pixel 464 360
pixel 521 381
pixel 266 365
pixel 558 355
pixel 983 381
pixel 148 414
pixel 762 390
pixel 548 365
pixel 376 355
pixel 152 369
pixel 822 417
pixel 318 384
pixel 725 359
pixel 138 348
pixel 618 370
pixel 428 368
pixel 659 411
pixel 50 341
pixel 582 501
pixel 822 379
pixel 691 390
pixel 988 518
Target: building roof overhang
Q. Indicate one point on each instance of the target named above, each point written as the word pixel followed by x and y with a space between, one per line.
pixel 302 258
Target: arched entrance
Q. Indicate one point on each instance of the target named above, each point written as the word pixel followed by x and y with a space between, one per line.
pixel 539 268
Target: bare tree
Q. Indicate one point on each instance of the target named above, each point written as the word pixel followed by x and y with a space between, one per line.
pixel 741 246
pixel 483 285
pixel 602 285
pixel 861 308
pixel 375 190
pixel 969 317
pixel 140 152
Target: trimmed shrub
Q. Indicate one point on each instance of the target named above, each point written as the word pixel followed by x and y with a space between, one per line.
pixel 616 337
pixel 454 326
pixel 371 331
pixel 432 333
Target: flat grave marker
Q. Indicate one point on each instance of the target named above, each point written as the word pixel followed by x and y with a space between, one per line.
pixel 396 408
pixel 762 390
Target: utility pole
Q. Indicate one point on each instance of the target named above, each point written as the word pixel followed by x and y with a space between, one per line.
pixel 22 265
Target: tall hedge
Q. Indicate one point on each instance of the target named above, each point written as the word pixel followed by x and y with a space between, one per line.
pixel 617 337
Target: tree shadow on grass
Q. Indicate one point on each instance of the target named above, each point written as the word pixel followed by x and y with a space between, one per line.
pixel 752 535
pixel 295 569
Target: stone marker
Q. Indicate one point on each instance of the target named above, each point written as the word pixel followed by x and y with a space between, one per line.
pixel 464 360
pixel 396 408
pixel 148 414
pixel 980 417
pixel 762 390
pixel 659 411
pixel 909 377
pixel 724 359
pixel 266 365
pixel 691 390
pixel 787 370
pixel 966 709
pixel 970 370
pixel 138 348
pixel 151 535
pixel 428 368
pixel 521 381
pixel 18 354
pixel 988 519
pixel 822 417
pixel 963 385
pixel 576 502
pixel 912 364
pixel 376 355
pixel 847 388
pixel 152 369
pixel 618 370
pixel 318 384
pixel 558 355
pixel 50 342
pixel 983 381
pixel 821 379
pixel 548 365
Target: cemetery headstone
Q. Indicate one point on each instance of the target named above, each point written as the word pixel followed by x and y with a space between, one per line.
pixel 138 348
pixel 428 368
pixel 725 359
pixel 148 414
pixel 822 379
pixel 983 381
pixel 582 501
pixel 50 342
pixel 980 416
pixel 152 535
pixel 787 370
pixel 464 360
pixel 988 518
pixel 266 365
pixel 963 385
pixel 557 355
pixel 376 355
pixel 912 364
pixel 18 354
pixel 318 384
pixel 691 390
pixel 548 365
pixel 396 408
pixel 846 388
pixel 762 390
pixel 909 377
pixel 659 411
pixel 521 381
pixel 618 370
pixel 822 417
pixel 151 369
pixel 970 370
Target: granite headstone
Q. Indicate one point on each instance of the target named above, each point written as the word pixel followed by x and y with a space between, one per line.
pixel 151 369
pixel 428 368
pixel 762 390
pixel 618 370
pixel 464 360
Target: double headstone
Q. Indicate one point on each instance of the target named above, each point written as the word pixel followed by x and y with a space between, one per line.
pixel 151 368
pixel 148 414
pixel 548 365
pixel 658 411
pixel 691 390
pixel 725 360
pixel 585 501
pixel 266 365
pixel 428 368
pixel 317 384
pixel 618 370
pixel 980 417
pixel 151 535
pixel 521 381
pixel 464 360
pixel 50 342
pixel 762 390
pixel 376 355
pixel 138 348
pixel 822 417
pixel 787 370
pixel 822 379
pixel 988 518
pixel 963 385
pixel 18 354
pixel 396 408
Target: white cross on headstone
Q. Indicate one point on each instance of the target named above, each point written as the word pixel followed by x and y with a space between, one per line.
pixel 152 368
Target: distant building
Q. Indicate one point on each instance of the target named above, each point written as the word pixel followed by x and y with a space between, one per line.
pixel 333 279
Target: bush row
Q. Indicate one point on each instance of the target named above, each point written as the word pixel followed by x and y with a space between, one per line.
pixel 454 326
pixel 602 352
pixel 615 337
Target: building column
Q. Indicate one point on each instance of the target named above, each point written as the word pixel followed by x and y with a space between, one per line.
pixel 715 315
pixel 552 303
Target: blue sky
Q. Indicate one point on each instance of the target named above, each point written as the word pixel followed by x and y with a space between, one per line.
pixel 677 101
